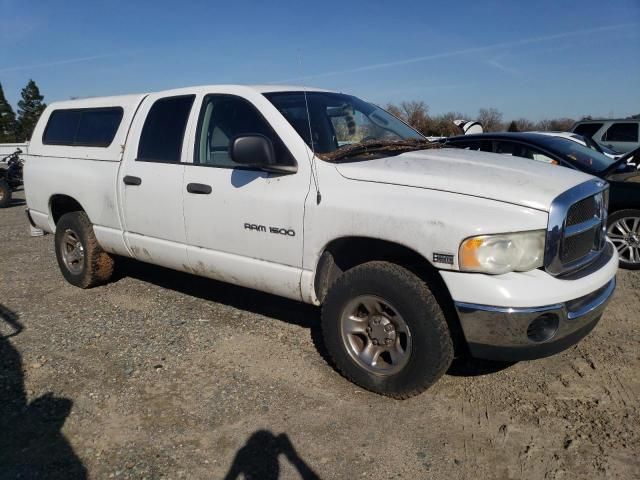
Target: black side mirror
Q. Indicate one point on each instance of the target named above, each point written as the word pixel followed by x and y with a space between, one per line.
pixel 257 151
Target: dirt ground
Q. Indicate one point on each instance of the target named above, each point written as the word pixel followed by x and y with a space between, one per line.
pixel 164 375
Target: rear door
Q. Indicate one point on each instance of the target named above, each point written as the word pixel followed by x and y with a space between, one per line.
pixel 243 225
pixel 150 181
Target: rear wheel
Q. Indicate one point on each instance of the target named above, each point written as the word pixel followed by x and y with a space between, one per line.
pixel 385 330
pixel 81 259
pixel 5 194
pixel 624 231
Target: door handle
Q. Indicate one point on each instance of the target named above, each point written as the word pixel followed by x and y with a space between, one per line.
pixel 199 188
pixel 129 180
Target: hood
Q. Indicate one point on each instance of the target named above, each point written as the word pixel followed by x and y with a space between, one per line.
pixel 493 176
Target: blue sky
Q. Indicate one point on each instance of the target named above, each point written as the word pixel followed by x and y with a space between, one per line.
pixel 536 59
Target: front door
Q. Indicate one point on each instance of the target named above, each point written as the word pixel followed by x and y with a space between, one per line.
pixel 243 226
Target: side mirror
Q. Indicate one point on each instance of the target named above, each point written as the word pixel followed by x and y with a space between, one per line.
pixel 257 151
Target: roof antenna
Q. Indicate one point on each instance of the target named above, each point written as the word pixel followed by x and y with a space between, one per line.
pixel 312 160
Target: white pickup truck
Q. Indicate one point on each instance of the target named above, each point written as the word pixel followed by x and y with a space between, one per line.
pixel 416 253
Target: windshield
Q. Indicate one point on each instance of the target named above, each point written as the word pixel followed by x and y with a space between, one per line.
pixel 608 150
pixel 338 120
pixel 591 143
pixel 583 157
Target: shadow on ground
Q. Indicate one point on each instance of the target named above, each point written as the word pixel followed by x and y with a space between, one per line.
pixel 254 301
pixel 31 443
pixel 259 458
pixel 475 367
pixel 290 311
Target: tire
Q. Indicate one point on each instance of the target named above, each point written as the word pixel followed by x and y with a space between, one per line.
pixel 81 259
pixel 623 228
pixel 419 334
pixel 5 194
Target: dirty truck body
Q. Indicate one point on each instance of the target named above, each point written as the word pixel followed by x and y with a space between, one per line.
pixel 415 255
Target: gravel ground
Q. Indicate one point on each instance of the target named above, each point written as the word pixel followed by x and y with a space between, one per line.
pixel 164 375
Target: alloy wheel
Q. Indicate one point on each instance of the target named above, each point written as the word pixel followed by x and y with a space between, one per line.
pixel 625 235
pixel 375 335
pixel 72 252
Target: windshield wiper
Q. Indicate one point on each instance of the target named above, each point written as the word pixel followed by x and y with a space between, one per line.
pixel 376 146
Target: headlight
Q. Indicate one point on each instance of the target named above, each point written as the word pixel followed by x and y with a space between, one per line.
pixel 502 253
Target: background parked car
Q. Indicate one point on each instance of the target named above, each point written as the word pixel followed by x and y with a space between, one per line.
pixel 623 225
pixel 622 135
pixel 587 142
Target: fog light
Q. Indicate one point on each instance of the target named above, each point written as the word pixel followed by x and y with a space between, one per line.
pixel 543 328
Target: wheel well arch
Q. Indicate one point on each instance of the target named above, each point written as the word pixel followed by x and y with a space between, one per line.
pixel 60 204
pixel 344 253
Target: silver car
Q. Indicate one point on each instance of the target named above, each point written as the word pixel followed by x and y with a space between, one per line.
pixel 622 135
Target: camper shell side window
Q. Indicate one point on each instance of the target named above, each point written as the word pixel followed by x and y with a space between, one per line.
pixel 83 127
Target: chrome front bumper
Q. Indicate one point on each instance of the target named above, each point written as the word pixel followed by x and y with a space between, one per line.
pixel 510 334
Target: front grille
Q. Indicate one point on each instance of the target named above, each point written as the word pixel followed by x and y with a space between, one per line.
pixel 579 245
pixel 576 234
pixel 582 211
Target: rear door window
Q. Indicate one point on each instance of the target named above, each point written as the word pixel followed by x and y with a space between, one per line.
pixel 89 127
pixel 164 128
pixel 587 129
pixel 468 145
pixel 526 151
pixel 505 148
pixel 621 132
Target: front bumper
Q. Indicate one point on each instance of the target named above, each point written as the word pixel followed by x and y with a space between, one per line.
pixel 511 334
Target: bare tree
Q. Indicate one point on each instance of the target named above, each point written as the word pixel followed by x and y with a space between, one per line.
pixel 525 125
pixel 491 119
pixel 544 125
pixel 394 110
pixel 442 125
pixel 562 124
pixel 416 114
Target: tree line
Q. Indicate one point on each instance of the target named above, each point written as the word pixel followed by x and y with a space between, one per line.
pixel 18 128
pixel 417 115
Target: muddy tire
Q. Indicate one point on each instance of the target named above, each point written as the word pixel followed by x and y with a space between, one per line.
pixel 5 194
pixel 81 259
pixel 623 229
pixel 385 331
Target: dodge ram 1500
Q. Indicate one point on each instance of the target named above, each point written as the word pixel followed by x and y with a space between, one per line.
pixel 416 253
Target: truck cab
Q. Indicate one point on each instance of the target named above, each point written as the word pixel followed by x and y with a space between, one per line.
pixel 415 253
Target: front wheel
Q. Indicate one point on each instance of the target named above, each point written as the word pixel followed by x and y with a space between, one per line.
pixel 385 331
pixel 623 228
pixel 5 194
